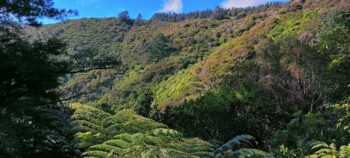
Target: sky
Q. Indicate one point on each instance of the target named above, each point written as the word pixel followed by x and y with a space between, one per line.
pixel 111 8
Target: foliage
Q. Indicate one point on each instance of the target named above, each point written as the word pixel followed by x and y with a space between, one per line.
pixel 181 83
pixel 335 46
pixel 218 13
pixel 25 64
pixel 88 86
pixel 330 125
pixel 237 142
pixel 124 17
pixel 29 11
pixel 212 75
pixel 126 134
pixel 159 48
pixel 206 74
pixel 27 91
pixel 33 123
pixel 218 113
pixel 324 150
pixel 292 24
pixel 249 153
pixel 237 147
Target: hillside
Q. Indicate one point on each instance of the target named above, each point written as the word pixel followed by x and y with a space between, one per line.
pixel 278 72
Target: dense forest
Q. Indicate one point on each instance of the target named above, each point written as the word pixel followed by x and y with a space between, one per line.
pixel 271 81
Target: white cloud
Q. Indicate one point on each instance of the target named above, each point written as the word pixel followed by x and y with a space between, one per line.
pixel 87 2
pixel 172 6
pixel 243 3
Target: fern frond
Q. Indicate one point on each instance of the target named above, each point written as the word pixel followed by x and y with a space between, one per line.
pixel 344 151
pixel 118 143
pixel 125 137
pixel 324 152
pixel 237 142
pixel 99 154
pixel 106 148
pixel 166 132
pixel 250 153
pixel 88 124
pixel 317 145
pixel 84 116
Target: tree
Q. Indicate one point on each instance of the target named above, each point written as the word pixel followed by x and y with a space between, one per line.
pixel 139 17
pixel 25 64
pixel 28 11
pixel 125 17
pixel 139 20
pixel 219 14
pixel 30 77
pixel 32 122
pixel 159 48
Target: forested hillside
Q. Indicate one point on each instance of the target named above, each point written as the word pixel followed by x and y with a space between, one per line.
pixel 266 81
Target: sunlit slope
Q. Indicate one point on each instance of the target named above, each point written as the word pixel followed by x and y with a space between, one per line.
pixel 297 19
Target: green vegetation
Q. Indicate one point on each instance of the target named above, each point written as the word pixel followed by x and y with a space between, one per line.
pixel 159 48
pixel 290 25
pixel 267 81
pixel 32 122
pixel 126 134
pixel 308 134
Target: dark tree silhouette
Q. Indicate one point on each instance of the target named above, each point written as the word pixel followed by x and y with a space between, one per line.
pixel 28 11
pixel 125 17
pixel 32 123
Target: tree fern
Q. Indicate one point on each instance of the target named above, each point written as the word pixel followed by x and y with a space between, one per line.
pixel 237 142
pixel 323 150
pixel 250 153
pixel 126 134
pixel 142 144
pixel 58 132
pixel 236 148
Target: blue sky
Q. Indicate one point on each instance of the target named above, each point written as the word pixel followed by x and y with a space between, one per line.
pixel 111 8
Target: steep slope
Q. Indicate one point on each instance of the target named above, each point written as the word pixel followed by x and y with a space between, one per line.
pixel 289 22
pixel 274 69
pixel 213 78
pixel 103 42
